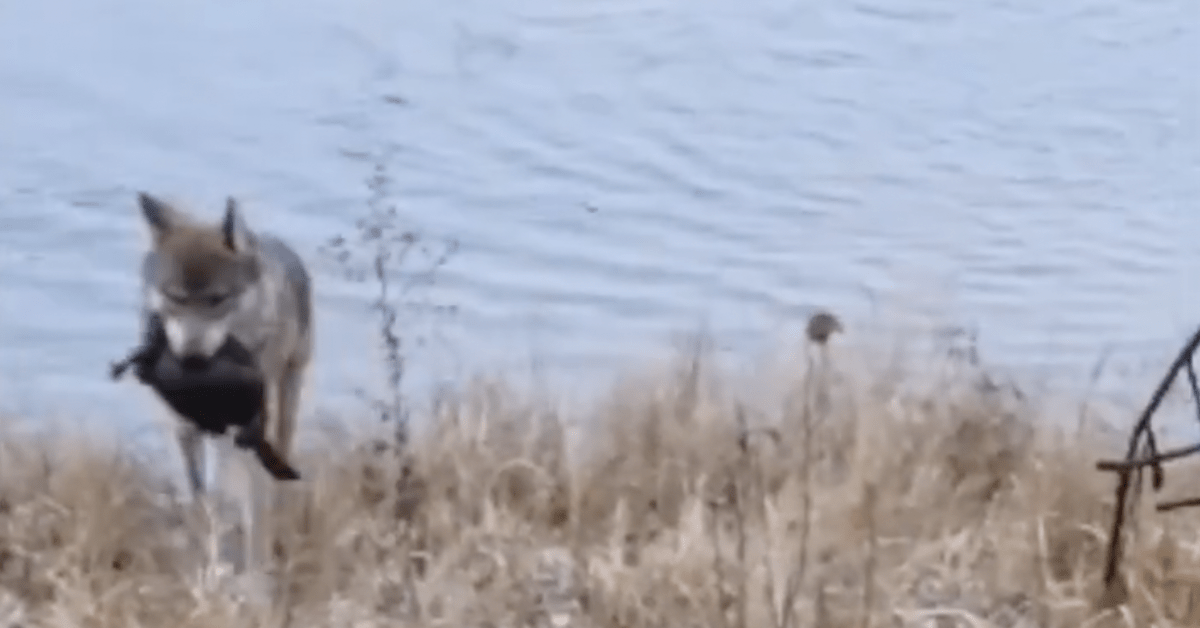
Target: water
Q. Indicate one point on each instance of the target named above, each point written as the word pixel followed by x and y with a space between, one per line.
pixel 747 161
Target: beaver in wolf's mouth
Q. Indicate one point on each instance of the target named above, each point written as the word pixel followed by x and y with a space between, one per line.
pixel 226 390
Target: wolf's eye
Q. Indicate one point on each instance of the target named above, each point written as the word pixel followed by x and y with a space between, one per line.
pixel 213 300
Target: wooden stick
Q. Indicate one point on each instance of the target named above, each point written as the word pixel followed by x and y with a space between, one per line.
pixel 1142 427
pixel 1177 504
pixel 1122 466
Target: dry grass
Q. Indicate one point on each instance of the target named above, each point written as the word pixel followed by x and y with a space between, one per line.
pixel 847 501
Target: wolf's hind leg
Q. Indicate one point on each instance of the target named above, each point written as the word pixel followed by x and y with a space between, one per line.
pixel 291 385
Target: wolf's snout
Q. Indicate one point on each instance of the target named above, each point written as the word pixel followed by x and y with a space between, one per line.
pixel 194 339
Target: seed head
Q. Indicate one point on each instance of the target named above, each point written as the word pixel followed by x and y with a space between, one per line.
pixel 821 326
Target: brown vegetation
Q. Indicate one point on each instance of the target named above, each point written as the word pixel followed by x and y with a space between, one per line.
pixel 847 501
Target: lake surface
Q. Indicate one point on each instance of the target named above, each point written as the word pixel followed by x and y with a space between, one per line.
pixel 1025 166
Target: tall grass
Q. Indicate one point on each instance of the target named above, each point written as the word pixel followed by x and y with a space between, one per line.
pixel 848 499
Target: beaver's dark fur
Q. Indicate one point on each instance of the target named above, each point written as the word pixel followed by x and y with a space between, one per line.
pixel 225 391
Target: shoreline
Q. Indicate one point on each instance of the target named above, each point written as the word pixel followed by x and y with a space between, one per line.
pixel 688 495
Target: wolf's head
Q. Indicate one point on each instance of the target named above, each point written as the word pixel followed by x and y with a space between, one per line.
pixel 197 275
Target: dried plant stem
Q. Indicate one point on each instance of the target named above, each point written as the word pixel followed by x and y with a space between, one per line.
pixel 718 570
pixel 740 504
pixel 870 499
pixel 388 250
pixel 796 578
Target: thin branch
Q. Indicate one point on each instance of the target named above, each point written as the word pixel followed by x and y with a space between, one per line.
pixel 1142 428
pixel 1124 466
pixel 1191 371
pixel 1176 505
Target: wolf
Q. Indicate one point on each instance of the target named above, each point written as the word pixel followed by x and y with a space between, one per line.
pixel 206 284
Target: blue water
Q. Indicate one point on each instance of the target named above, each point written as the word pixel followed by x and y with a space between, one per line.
pixel 1028 167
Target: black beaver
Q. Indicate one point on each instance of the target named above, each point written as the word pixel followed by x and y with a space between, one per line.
pixel 227 390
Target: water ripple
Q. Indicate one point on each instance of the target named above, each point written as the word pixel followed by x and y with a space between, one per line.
pixel 616 170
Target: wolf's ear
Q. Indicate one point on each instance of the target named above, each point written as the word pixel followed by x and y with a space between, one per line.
pixel 237 235
pixel 159 215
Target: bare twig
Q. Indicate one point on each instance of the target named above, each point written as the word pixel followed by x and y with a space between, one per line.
pixel 1191 372
pixel 1124 466
pixel 1177 504
pixel 1142 434
pixel 390 247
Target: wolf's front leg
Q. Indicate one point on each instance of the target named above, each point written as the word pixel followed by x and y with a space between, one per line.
pixel 191 446
pixel 202 515
pixel 255 489
pixel 246 483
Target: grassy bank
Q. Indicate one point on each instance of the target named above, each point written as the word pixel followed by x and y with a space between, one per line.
pixel 843 497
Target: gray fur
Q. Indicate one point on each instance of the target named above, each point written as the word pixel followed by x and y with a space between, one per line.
pixel 208 282
pixel 159 215
pixel 237 235
pixel 294 273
